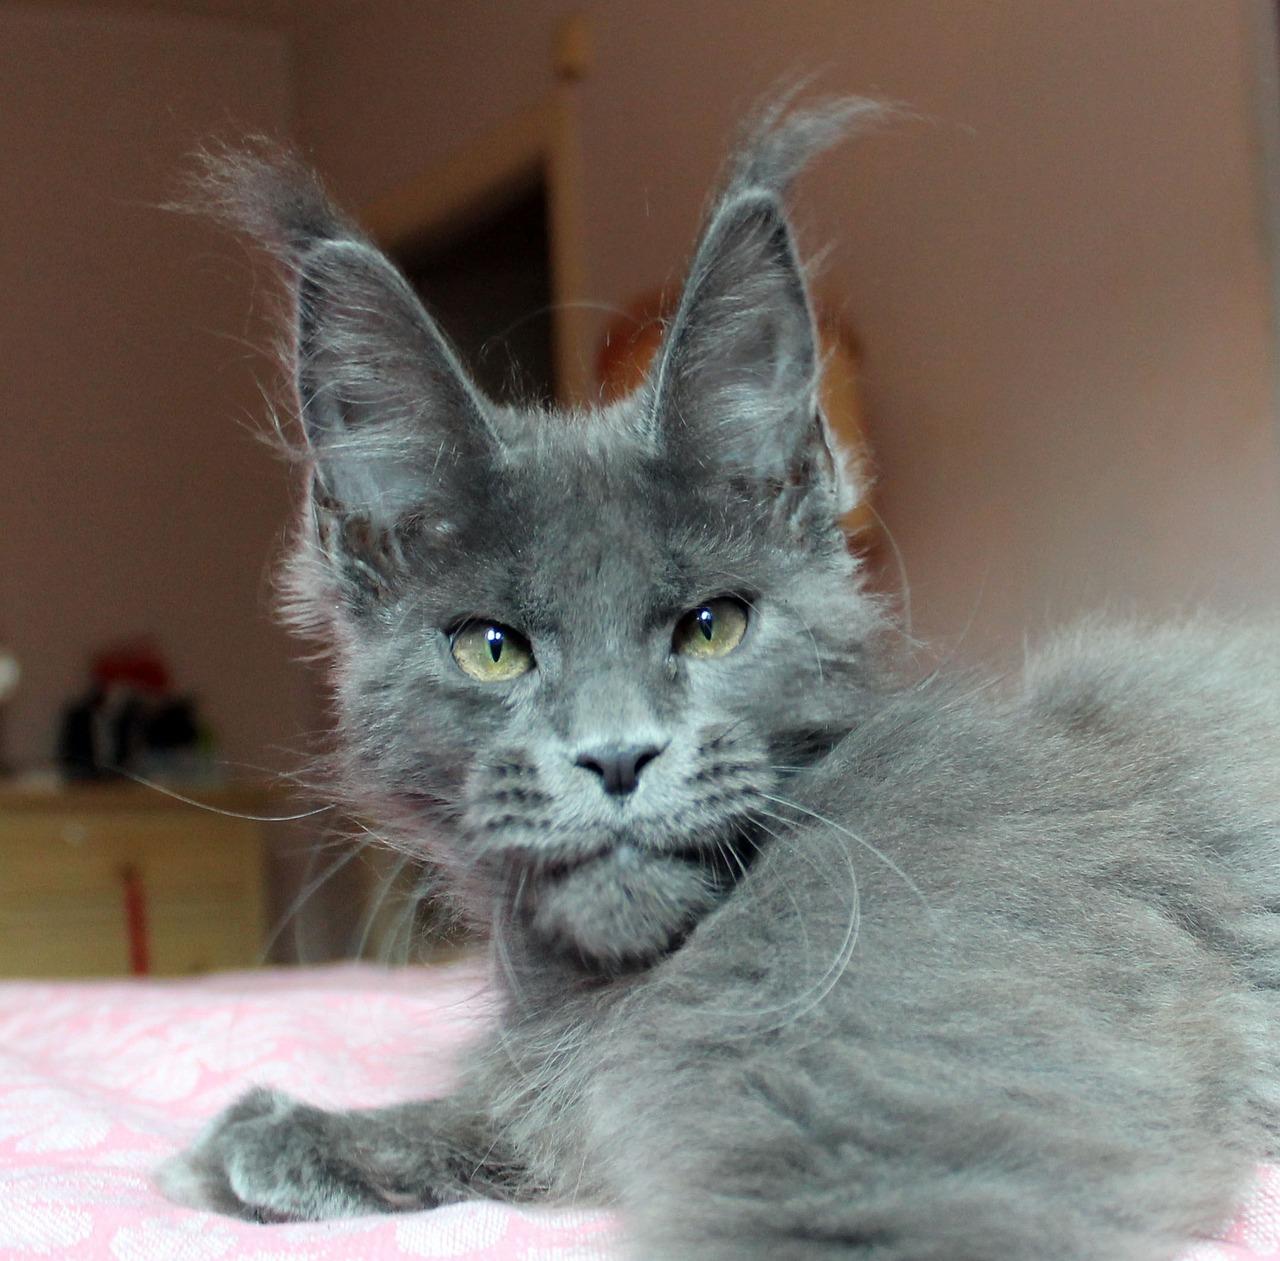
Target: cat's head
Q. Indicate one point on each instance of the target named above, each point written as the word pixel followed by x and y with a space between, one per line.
pixel 576 654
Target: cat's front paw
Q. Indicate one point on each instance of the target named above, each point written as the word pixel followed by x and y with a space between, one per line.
pixel 270 1158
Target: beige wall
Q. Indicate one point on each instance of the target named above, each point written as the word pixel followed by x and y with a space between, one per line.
pixel 1059 276
pixel 133 496
pixel 1058 273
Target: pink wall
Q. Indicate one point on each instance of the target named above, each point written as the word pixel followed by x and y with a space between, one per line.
pixel 135 498
pixel 1059 276
pixel 1058 273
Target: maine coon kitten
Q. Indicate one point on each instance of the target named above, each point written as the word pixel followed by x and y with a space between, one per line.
pixel 799 960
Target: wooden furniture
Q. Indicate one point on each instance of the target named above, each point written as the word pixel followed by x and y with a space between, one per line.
pixel 110 880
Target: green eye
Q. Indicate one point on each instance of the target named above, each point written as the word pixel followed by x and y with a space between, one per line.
pixel 490 652
pixel 711 630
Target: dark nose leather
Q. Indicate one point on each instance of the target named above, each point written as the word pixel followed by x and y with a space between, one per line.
pixel 619 768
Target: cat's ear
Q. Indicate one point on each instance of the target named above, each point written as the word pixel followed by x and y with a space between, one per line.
pixel 739 373
pixel 737 381
pixel 394 429
pixel 390 416
pixel 397 432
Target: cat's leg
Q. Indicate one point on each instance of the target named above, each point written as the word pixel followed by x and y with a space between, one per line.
pixel 815 1213
pixel 269 1157
pixel 776 1154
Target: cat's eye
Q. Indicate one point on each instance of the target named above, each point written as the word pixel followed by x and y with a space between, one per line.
pixel 491 652
pixel 712 629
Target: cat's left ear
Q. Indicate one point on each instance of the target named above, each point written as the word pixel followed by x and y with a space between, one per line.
pixel 737 381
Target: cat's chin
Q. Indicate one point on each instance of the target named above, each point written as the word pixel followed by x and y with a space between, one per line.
pixel 623 909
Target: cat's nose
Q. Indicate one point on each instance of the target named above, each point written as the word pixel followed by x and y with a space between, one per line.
pixel 619 768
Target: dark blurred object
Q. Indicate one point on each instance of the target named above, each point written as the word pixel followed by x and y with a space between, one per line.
pixel 129 719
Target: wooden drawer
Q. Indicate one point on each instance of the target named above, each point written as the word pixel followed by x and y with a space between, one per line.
pixel 92 887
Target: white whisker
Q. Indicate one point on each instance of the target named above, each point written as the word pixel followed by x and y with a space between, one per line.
pixel 880 855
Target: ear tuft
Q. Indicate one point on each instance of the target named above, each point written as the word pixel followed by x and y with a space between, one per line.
pixel 777 142
pixel 264 191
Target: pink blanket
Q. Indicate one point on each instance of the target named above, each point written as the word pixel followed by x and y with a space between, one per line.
pixel 101 1081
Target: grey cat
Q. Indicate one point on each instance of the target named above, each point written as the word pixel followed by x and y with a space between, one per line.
pixel 799 957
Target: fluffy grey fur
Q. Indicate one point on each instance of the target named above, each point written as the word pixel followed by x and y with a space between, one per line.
pixel 861 967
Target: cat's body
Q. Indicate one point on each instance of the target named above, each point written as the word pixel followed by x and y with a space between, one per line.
pixel 798 960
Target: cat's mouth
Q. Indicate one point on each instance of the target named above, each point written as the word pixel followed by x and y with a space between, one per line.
pixel 625 907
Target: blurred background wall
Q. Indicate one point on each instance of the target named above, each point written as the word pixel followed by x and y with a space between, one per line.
pixel 135 497
pixel 1060 273
pixel 1059 267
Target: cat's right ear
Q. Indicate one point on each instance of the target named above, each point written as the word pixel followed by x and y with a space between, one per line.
pixel 394 427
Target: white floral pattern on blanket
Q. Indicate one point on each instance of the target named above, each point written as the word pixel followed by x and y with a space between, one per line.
pixel 100 1081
